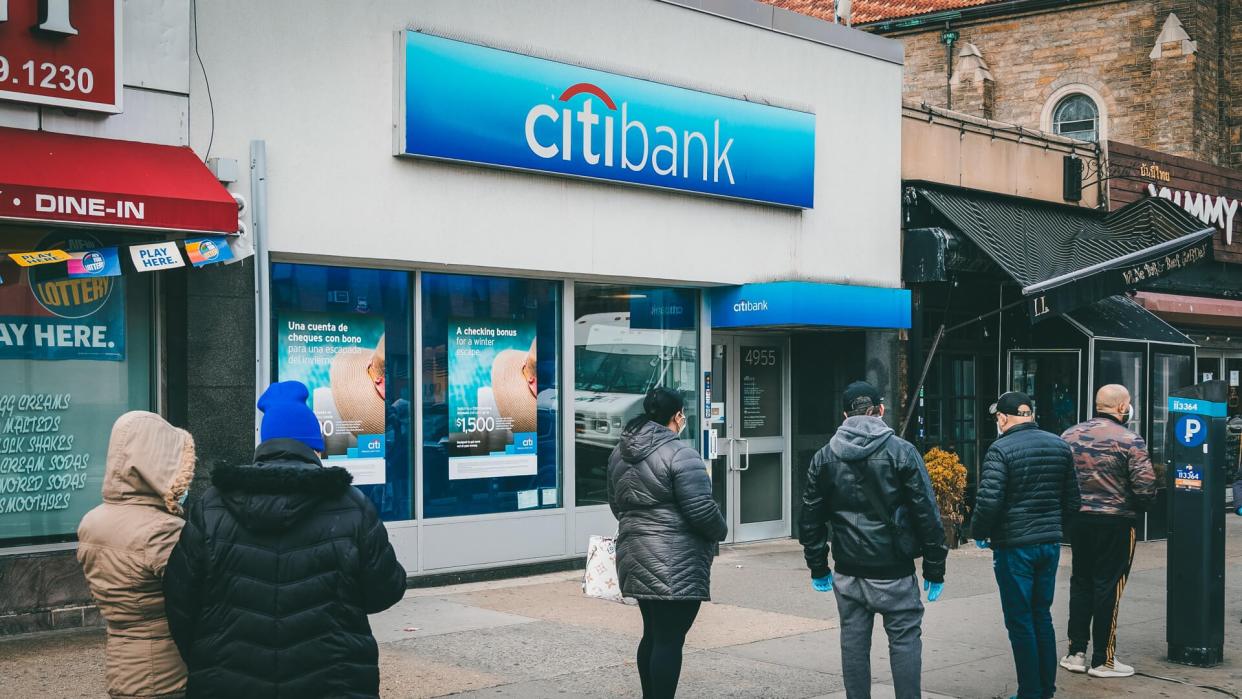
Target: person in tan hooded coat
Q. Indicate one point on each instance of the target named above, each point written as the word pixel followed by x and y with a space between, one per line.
pixel 124 545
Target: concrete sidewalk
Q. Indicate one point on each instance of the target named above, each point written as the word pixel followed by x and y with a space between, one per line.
pixel 767 634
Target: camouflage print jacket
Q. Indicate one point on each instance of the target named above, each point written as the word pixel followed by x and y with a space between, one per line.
pixel 1115 475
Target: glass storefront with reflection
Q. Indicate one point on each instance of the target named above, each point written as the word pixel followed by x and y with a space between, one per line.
pixel 345 333
pixel 491 381
pixel 627 340
pixel 75 354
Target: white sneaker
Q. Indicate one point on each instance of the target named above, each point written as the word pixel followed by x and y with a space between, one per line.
pixel 1117 669
pixel 1075 662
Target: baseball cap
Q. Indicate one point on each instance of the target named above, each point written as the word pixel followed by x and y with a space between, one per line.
pixel 861 395
pixel 1010 403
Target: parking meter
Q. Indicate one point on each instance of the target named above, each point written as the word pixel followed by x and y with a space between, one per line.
pixel 1195 605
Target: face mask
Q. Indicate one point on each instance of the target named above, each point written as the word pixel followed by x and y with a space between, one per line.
pixel 682 429
pixel 184 496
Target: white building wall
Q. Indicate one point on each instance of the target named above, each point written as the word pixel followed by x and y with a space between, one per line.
pixel 315 81
pixel 155 70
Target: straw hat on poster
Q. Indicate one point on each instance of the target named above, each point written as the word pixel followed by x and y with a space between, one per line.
pixel 357 379
pixel 514 387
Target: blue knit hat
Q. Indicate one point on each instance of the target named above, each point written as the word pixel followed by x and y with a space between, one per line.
pixel 286 416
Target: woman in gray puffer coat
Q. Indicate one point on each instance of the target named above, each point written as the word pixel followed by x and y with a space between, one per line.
pixel 669 527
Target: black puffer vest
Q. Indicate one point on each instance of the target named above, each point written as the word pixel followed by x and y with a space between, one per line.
pixel 269 588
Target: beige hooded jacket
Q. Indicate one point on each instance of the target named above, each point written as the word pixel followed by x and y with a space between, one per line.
pixel 124 545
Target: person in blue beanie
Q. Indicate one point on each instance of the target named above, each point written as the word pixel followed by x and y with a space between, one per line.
pixel 278 566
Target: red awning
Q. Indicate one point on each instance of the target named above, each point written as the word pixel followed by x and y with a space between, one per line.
pixel 1193 310
pixel 77 180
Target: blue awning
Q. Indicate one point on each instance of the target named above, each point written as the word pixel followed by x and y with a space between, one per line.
pixel 809 304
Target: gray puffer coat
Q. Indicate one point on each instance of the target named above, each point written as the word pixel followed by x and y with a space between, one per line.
pixel 669 525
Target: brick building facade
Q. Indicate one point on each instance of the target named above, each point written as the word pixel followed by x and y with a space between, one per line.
pixel 1164 74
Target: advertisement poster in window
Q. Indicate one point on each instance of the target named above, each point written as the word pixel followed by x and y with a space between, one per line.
pixel 47 312
pixel 65 379
pixel 340 358
pixel 492 399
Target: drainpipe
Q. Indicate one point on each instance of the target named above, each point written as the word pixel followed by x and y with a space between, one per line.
pixel 948 37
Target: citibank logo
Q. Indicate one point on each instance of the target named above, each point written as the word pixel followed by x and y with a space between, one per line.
pixel 687 155
pixel 750 306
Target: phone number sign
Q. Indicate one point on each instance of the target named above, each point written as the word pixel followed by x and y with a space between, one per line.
pixel 65 53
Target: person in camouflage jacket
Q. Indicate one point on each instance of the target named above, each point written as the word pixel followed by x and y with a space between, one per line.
pixel 1116 481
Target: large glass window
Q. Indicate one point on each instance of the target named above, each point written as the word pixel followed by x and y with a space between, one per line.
pixel 628 340
pixel 345 333
pixel 1124 367
pixel 490 395
pixel 1050 378
pixel 74 356
pixel 1170 371
pixel 1077 116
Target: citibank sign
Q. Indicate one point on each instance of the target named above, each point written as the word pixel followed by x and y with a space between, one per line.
pixel 473 104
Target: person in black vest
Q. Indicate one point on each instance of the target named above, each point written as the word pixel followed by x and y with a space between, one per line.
pixel 278 566
pixel 1026 489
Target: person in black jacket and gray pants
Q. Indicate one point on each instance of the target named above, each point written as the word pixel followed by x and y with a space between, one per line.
pixel 668 530
pixel 868 491
pixel 1026 490
pixel 279 564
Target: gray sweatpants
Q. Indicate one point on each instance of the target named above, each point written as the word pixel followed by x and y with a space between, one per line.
pixel 898 601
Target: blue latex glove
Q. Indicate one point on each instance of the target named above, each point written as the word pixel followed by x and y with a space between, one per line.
pixel 933 590
pixel 823 584
pixel 981 543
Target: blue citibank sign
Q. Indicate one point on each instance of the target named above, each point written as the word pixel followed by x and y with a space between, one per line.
pixel 795 303
pixel 485 106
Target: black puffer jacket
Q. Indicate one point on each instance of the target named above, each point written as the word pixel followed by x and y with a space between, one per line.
pixel 269 588
pixel 1026 489
pixel 668 523
pixel 835 505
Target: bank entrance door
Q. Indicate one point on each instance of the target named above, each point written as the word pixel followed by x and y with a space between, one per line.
pixel 751 421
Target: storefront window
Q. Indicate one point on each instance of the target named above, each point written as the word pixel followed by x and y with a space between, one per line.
pixel 74 356
pixel 1170 372
pixel 491 401
pixel 345 333
pixel 1124 367
pixel 1050 378
pixel 628 340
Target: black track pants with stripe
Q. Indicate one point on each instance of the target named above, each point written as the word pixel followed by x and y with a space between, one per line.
pixel 1103 550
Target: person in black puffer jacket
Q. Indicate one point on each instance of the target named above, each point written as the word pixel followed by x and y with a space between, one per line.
pixel 874 551
pixel 278 566
pixel 1026 490
pixel 669 528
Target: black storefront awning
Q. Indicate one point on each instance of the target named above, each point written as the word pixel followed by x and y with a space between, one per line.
pixel 1121 318
pixel 1066 257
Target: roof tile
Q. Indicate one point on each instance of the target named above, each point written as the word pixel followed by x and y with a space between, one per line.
pixel 876 10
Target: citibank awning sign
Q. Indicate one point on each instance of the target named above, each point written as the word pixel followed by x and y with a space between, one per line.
pixel 795 303
pixel 485 106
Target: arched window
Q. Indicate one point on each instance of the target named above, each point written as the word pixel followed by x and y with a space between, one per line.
pixel 1077 116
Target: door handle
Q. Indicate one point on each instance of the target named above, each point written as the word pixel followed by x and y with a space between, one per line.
pixel 746 455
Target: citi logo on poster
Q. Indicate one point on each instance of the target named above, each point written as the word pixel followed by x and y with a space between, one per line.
pixel 643 145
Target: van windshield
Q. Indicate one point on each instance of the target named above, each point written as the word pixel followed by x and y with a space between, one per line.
pixel 612 372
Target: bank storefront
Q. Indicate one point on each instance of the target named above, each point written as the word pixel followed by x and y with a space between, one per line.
pixel 480 296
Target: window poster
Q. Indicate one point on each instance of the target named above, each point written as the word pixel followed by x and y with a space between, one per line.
pixel 492 399
pixel 64 378
pixel 47 314
pixel 340 358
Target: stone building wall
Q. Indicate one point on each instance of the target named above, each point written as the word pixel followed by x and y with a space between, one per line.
pixel 1187 101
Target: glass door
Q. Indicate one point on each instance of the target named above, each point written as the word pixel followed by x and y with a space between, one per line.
pixel 750 419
